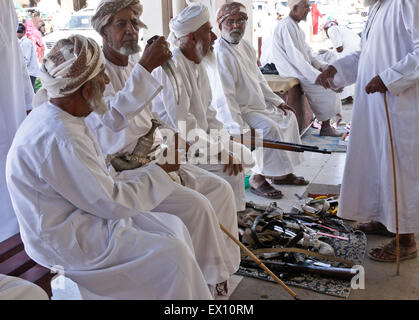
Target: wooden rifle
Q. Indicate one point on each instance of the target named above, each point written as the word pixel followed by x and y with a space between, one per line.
pixel 279 145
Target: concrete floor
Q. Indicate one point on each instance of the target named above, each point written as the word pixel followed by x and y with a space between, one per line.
pixel 325 172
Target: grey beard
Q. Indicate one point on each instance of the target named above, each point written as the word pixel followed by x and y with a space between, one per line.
pixel 369 3
pixel 199 49
pixel 209 58
pixel 96 103
pixel 126 51
pixel 230 38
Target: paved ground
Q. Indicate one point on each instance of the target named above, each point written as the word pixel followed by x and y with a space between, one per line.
pixel 381 282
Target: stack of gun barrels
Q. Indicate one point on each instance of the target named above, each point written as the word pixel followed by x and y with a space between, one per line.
pixel 285 265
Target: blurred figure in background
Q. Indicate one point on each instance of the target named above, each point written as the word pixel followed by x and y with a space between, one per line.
pixel 344 41
pixel 29 54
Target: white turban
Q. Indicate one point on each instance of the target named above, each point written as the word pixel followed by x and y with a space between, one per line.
pixel 106 9
pixel 292 3
pixel 189 20
pixel 70 64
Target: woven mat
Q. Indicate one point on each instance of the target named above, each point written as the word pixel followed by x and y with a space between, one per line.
pixel 334 144
pixel 353 250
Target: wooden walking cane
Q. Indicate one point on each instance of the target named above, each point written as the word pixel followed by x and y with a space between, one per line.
pixel 254 258
pixel 396 207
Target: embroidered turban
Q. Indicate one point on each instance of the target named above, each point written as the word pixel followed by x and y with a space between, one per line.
pixel 189 20
pixel 106 9
pixel 70 64
pixel 230 9
pixel 329 24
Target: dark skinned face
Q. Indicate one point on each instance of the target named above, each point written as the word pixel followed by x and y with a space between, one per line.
pixel 123 30
pixel 300 11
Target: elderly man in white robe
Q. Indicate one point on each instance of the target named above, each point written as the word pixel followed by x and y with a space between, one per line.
pixel 244 100
pixel 193 115
pixel 294 58
pixel 210 199
pixel 387 64
pixel 73 214
pixel 344 41
pixel 16 97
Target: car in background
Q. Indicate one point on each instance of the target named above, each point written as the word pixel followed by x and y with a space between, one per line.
pixel 79 23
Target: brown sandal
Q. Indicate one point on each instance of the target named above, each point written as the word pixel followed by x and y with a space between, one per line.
pixel 388 252
pixel 290 179
pixel 267 191
pixel 375 227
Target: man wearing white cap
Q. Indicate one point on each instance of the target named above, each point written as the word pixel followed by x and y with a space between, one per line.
pixel 193 39
pixel 73 214
pixel 344 41
pixel 294 58
pixel 244 100
pixel 204 200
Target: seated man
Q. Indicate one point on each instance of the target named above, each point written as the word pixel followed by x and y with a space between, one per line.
pixel 73 214
pixel 245 100
pixel 293 58
pixel 192 36
pixel 209 199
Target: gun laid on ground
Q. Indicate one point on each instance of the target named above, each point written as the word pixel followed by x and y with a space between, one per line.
pixel 279 145
pixel 283 267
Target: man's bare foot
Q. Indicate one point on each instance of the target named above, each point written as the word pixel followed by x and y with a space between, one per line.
pixel 329 131
pixel 262 188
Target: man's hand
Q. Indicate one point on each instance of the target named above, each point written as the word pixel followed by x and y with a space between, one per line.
pixel 170 167
pixel 155 54
pixel 233 166
pixel 376 85
pixel 284 107
pixel 326 77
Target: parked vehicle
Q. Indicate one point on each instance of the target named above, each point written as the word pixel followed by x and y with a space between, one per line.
pixel 79 23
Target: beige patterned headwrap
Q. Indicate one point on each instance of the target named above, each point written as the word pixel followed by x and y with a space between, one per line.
pixel 70 64
pixel 230 9
pixel 106 9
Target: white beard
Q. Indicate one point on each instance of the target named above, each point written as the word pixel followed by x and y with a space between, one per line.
pixel 126 51
pixel 96 102
pixel 209 59
pixel 233 39
pixel 369 3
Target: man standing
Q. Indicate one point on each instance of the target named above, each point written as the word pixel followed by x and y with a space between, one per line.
pixel 244 100
pixel 16 97
pixel 204 200
pixel 29 54
pixel 73 214
pixel 294 58
pixel 387 64
pixel 193 39
pixel 345 41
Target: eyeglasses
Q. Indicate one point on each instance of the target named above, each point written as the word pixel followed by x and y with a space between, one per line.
pixel 231 22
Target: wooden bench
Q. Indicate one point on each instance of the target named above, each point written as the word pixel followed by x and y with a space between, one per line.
pixel 15 262
pixel 290 91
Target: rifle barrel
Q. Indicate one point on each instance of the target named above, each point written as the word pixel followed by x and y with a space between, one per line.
pixel 283 146
pixel 330 272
